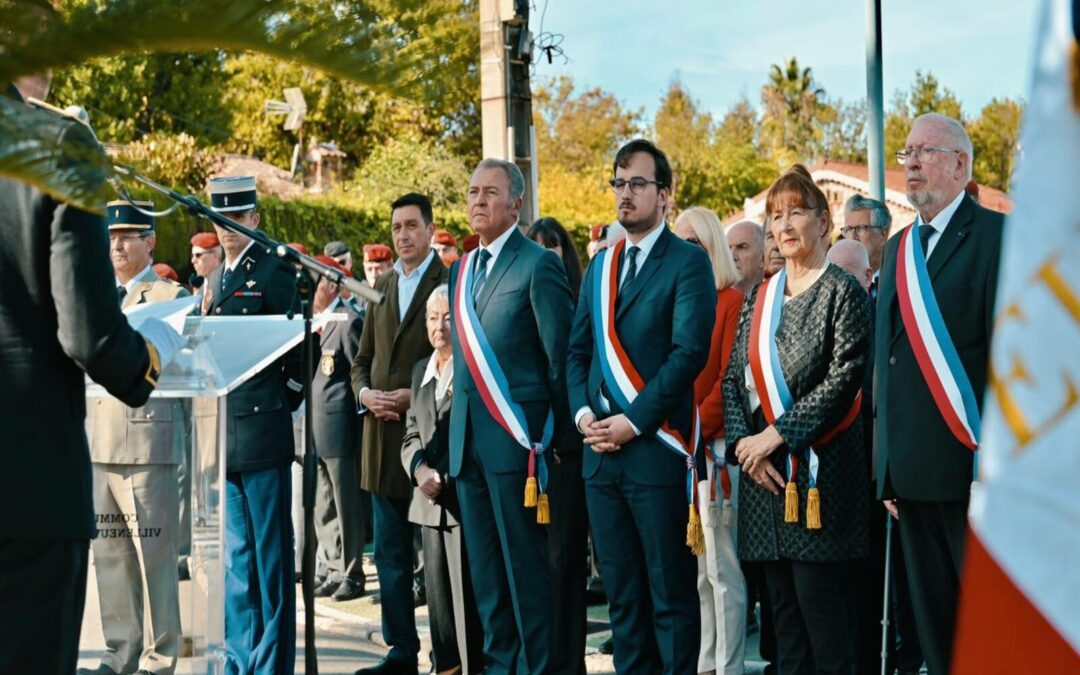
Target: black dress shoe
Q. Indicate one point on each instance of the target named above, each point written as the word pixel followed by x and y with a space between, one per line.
pixel 389 666
pixel 326 589
pixel 348 590
pixel 607 647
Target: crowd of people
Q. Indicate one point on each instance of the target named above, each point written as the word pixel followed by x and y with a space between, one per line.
pixel 712 420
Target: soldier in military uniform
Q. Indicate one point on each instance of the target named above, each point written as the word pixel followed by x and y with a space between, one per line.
pixel 135 461
pixel 260 593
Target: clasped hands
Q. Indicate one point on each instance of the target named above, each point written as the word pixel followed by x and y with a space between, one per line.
pixel 429 482
pixel 387 405
pixel 608 434
pixel 753 453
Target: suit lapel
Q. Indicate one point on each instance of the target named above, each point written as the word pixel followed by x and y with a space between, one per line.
pixel 423 290
pixel 502 263
pixel 245 268
pixel 641 281
pixel 955 233
pixel 392 311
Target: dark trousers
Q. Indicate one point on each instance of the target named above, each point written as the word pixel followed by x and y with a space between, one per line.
pixel 509 571
pixel 812 605
pixel 640 534
pixel 902 642
pixel 567 537
pixel 394 565
pixel 42 593
pixel 339 517
pixel 260 589
pixel 754 573
pixel 457 638
pixel 932 534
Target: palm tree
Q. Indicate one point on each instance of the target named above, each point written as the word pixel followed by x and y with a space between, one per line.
pixel 389 45
pixel 793 106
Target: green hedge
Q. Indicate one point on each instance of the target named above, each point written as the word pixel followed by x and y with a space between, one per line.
pixel 311 222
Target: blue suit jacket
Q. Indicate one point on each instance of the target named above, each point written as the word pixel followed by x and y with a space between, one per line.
pixel 525 308
pixel 664 318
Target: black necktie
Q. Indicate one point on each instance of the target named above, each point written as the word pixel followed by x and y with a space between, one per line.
pixel 121 291
pixel 481 273
pixel 631 267
pixel 224 278
pixel 924 236
pixel 873 289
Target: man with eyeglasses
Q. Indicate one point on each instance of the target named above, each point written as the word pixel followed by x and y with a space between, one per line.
pixel 929 383
pixel 657 336
pixel 206 256
pixel 867 221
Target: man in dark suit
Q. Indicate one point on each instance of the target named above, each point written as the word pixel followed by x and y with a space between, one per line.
pixel 260 592
pixel 635 486
pixel 523 305
pixel 393 340
pixel 59 319
pixel 921 464
pixel 337 427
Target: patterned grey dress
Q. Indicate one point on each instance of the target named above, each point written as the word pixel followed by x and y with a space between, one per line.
pixel 823 340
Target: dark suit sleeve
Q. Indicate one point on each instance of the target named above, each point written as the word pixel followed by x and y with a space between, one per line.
pixel 824 406
pixel 90 327
pixel 412 445
pixel 736 422
pixel 553 307
pixel 351 346
pixel 691 329
pixel 580 351
pixel 365 354
pixel 282 299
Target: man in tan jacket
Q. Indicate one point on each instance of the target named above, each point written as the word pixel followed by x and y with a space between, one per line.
pixel 135 455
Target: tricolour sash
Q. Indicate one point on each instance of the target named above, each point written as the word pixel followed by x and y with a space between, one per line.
pixel 624 382
pixel 719 474
pixel 931 343
pixel 494 389
pixel 776 398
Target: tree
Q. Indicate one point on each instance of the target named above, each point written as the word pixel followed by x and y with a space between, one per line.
pixel 844 132
pixel 686 136
pixel 742 170
pixel 413 164
pixel 995 135
pixel 926 95
pixel 793 111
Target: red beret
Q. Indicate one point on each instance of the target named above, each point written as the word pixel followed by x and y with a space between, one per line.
pixel 205 240
pixel 594 233
pixel 449 257
pixel 470 243
pixel 444 238
pixel 164 271
pixel 330 262
pixel 378 253
pixel 298 247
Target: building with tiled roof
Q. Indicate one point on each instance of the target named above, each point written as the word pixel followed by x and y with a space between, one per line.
pixel 840 180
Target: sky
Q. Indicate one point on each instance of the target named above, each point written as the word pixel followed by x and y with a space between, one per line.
pixel 721 50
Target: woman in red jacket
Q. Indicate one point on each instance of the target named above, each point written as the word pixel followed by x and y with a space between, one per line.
pixel 721 588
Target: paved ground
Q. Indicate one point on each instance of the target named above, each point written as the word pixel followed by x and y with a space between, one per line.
pixel 347 634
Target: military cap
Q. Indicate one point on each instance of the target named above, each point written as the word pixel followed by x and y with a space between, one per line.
pixel 205 241
pixel 124 216
pixel 378 253
pixel 233 193
pixel 470 243
pixel 444 238
pixel 335 249
pixel 330 262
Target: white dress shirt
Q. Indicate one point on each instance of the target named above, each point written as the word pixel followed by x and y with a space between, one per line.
pixel 231 265
pixel 409 282
pixel 144 274
pixel 645 246
pixel 443 379
pixel 494 249
pixel 939 222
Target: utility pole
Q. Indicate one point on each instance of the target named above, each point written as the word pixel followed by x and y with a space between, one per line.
pixel 875 102
pixel 505 93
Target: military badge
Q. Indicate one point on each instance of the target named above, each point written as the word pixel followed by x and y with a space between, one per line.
pixel 250 283
pixel 326 364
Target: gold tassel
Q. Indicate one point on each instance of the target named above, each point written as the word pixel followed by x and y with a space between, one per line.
pixel 531 490
pixel 813 509
pixel 1074 73
pixel 695 537
pixel 729 514
pixel 543 510
pixel 791 503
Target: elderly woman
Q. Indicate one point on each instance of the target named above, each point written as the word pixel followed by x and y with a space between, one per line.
pixel 456 635
pixel 792 425
pixel 721 587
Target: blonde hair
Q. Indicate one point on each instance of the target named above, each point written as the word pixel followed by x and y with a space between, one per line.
pixel 710 232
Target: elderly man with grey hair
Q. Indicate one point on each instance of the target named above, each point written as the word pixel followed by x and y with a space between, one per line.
pixel 867 221
pixel 851 257
pixel 512 296
pixel 924 441
pixel 746 239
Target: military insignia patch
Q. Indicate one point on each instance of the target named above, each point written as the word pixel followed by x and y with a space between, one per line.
pixel 326 364
pixel 249 283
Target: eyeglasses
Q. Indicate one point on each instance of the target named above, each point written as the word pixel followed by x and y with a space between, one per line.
pixel 921 153
pixel 637 184
pixel 860 230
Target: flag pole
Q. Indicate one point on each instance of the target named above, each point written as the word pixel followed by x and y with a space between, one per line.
pixel 875 103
